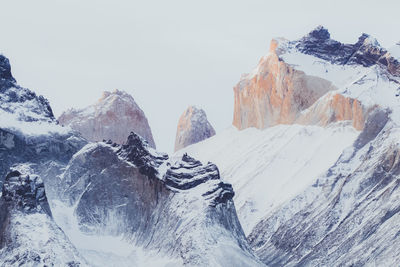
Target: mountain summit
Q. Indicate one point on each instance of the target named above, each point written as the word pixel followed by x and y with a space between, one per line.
pixel 193 127
pixel 113 117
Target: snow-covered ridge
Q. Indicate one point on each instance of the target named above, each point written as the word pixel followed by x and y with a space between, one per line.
pixel 364 71
pixel 21 109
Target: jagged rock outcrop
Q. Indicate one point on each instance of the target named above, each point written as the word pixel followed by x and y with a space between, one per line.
pixel 112 117
pixel 173 211
pixel 275 93
pixel 279 92
pixel 20 103
pixel 28 130
pixel 193 127
pixel 180 208
pixel 28 234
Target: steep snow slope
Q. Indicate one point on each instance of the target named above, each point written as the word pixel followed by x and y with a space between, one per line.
pixel 349 217
pixel 269 167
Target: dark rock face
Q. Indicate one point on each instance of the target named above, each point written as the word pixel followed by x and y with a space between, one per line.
pixel 17 148
pixel 24 210
pixel 6 79
pixel 135 191
pixel 137 151
pixel 22 101
pixel 25 192
pixel 365 52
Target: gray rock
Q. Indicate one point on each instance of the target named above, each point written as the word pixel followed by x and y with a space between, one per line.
pixel 193 127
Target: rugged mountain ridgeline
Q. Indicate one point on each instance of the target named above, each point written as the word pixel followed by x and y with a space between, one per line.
pixel 157 210
pixel 311 162
pixel 318 185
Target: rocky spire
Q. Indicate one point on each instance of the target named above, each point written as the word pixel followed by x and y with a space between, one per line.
pixel 193 127
pixel 6 78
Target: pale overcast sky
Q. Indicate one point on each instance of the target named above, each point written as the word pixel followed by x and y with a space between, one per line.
pixel 167 54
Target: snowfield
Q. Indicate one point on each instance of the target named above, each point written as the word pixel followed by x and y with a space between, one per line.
pixel 269 167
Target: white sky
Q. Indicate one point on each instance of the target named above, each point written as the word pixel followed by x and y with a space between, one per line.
pixel 167 54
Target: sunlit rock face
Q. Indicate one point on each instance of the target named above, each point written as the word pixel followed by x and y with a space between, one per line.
pixel 285 90
pixel 193 127
pixel 275 93
pixel 332 108
pixel 113 117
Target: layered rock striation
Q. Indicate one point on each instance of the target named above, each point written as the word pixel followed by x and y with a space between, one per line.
pixel 178 207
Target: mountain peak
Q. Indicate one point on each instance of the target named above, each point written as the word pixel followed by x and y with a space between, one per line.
pixel 113 116
pixel 116 92
pixel 5 70
pixel 320 33
pixel 193 127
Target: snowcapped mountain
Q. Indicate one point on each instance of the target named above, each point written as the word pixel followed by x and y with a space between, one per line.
pixel 317 183
pixel 193 127
pixel 69 202
pixel 112 117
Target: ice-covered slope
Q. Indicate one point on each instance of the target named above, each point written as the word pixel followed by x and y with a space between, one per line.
pixel 112 117
pixel 269 167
